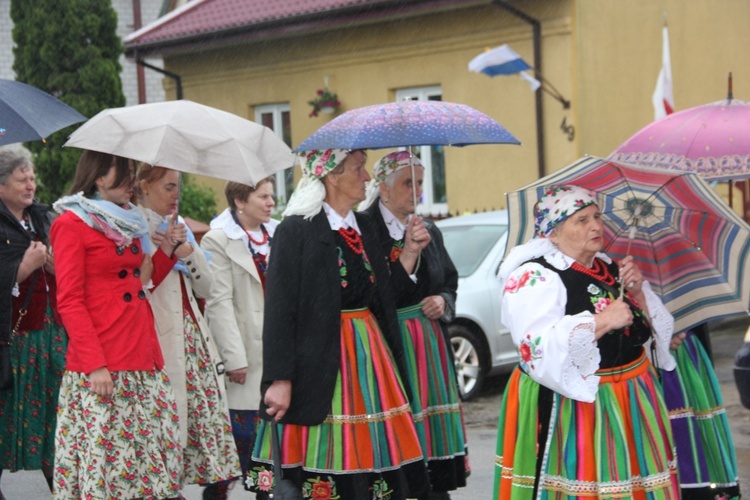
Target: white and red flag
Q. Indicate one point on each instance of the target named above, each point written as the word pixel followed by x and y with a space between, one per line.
pixel 663 99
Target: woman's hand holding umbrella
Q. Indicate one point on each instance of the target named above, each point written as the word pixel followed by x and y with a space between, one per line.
pixel 615 316
pixel 278 397
pixel 416 237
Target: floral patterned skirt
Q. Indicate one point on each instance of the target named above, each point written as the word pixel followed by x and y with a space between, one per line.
pixel 367 447
pixel 706 462
pixel 434 398
pixel 210 455
pixel 618 447
pixel 28 411
pixel 126 447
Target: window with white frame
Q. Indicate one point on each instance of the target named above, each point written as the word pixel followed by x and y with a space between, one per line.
pixel 277 118
pixel 434 194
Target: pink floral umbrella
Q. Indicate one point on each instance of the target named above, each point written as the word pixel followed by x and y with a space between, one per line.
pixel 712 140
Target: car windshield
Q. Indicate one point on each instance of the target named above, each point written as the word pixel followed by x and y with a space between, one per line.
pixel 469 245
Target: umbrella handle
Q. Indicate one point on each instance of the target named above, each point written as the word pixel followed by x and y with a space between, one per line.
pixel 631 235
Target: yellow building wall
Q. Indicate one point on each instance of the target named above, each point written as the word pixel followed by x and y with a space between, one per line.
pixel 602 55
pixel 619 46
pixel 367 64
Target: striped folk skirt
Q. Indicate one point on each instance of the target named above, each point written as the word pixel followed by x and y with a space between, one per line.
pixel 707 462
pixel 367 447
pixel 434 398
pixel 124 447
pixel 618 447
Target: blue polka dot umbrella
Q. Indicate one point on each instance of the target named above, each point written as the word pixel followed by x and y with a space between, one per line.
pixel 408 123
pixel 689 244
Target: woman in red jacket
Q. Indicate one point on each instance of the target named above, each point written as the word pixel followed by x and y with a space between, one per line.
pixel 117 432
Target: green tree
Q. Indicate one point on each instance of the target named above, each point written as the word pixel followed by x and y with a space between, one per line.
pixel 70 49
pixel 197 201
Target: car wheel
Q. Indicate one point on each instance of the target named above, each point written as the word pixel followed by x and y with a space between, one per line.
pixel 468 349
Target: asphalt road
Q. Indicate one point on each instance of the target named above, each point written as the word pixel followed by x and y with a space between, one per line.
pixel 481 422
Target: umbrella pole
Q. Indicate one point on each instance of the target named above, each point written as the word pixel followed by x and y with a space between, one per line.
pixel 414 198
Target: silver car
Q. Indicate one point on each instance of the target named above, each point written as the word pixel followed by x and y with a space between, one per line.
pixel 482 344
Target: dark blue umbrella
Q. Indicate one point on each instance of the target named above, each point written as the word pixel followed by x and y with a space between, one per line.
pixel 408 123
pixel 28 114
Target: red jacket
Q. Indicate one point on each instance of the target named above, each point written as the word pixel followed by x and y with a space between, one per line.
pixel 101 299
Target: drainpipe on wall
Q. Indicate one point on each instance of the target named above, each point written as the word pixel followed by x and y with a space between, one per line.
pixel 174 76
pixel 537 44
pixel 140 74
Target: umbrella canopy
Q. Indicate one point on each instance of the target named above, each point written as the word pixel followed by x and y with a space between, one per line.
pixel 187 136
pixel 28 114
pixel 689 244
pixel 710 140
pixel 408 123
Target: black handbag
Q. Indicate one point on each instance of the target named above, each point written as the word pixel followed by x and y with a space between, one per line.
pixel 6 367
pixel 284 489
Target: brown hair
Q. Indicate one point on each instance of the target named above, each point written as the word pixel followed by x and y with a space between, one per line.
pixel 238 191
pixel 92 165
pixel 150 174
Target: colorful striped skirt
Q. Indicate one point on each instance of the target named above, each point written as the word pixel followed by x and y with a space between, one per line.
pixel 707 462
pixel 367 447
pixel 618 447
pixel 124 447
pixel 434 398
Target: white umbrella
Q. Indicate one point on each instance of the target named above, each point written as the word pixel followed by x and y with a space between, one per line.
pixel 189 137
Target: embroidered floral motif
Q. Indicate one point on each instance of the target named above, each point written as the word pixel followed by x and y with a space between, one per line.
pixel 396 249
pixel 380 490
pixel 593 289
pixel 259 477
pixel 318 489
pixel 529 277
pixel 530 351
pixel 342 268
pixel 601 304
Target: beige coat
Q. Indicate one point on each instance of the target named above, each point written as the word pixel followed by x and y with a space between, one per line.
pixel 235 307
pixel 166 302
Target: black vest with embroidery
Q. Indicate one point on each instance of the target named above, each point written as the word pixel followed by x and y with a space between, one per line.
pixel 586 293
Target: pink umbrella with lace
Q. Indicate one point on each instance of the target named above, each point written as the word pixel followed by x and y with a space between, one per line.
pixel 712 140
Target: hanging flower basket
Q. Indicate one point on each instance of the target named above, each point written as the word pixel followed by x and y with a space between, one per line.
pixel 325 102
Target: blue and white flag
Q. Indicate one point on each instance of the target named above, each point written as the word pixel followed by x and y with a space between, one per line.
pixel 503 60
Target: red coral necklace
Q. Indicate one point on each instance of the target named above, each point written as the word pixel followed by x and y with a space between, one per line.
pixel 261 242
pixel 599 272
pixel 352 239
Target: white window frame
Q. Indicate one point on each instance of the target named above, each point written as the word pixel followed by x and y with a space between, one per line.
pixel 428 205
pixel 276 110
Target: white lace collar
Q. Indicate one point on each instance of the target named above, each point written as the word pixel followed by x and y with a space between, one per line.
pixel 395 228
pixel 336 221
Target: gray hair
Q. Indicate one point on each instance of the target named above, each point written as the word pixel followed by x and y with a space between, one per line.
pixel 10 160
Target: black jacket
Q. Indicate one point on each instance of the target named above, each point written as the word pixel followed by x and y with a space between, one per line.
pixel 302 322
pixel 443 274
pixel 14 241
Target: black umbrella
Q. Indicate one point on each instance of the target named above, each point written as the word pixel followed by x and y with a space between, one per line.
pixel 28 114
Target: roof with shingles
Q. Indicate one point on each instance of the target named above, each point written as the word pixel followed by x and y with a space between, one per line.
pixel 204 17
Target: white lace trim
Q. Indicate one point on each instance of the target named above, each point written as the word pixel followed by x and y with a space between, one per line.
pixel 662 324
pixel 578 376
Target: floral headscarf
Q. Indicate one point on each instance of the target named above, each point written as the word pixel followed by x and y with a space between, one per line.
pixel 557 204
pixel 393 162
pixel 307 198
pixel 319 162
pixel 387 165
